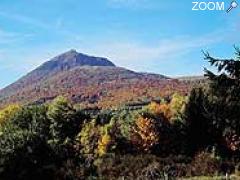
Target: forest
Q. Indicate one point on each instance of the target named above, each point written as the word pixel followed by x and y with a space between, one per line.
pixel 178 136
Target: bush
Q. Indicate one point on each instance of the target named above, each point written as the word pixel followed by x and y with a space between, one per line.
pixel 142 167
pixel 206 164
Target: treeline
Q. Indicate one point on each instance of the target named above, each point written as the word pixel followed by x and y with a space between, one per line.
pixel 177 137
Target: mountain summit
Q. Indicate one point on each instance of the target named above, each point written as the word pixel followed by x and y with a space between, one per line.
pixel 72 59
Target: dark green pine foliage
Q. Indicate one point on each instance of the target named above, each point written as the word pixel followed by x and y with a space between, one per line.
pixel 213 113
pixel 224 92
pixel 200 133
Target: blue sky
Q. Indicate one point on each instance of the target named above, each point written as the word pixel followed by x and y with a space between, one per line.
pixel 164 37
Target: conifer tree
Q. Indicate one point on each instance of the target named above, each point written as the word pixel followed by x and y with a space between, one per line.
pixel 224 92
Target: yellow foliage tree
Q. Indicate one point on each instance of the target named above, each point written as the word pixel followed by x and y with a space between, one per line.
pixel 177 106
pixel 107 141
pixel 177 103
pixel 103 144
pixel 8 112
pixel 88 138
pixel 96 140
pixel 169 111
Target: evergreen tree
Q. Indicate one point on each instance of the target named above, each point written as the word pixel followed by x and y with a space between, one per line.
pixel 198 124
pixel 224 94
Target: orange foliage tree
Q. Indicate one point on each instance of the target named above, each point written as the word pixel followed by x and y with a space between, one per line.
pixel 161 110
pixel 145 133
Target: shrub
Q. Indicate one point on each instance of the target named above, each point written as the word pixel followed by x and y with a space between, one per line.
pixel 206 164
pixel 142 167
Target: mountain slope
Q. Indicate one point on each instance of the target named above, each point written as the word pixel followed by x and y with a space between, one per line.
pixel 87 80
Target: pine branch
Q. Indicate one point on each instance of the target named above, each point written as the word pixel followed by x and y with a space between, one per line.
pixel 237 53
pixel 230 66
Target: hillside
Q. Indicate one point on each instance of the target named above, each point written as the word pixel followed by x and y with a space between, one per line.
pixel 91 81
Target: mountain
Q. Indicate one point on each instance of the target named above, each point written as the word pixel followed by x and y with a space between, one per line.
pixel 63 62
pixel 87 80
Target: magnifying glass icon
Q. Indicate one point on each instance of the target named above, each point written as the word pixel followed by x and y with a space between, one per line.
pixel 233 5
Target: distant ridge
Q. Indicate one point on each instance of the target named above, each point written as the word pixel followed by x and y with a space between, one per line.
pixel 192 78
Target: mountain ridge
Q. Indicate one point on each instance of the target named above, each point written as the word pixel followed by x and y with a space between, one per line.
pixel 85 79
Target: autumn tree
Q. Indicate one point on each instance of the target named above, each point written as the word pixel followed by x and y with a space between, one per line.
pixel 88 138
pixel 8 112
pixel 103 144
pixel 177 106
pixel 162 110
pixel 145 134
